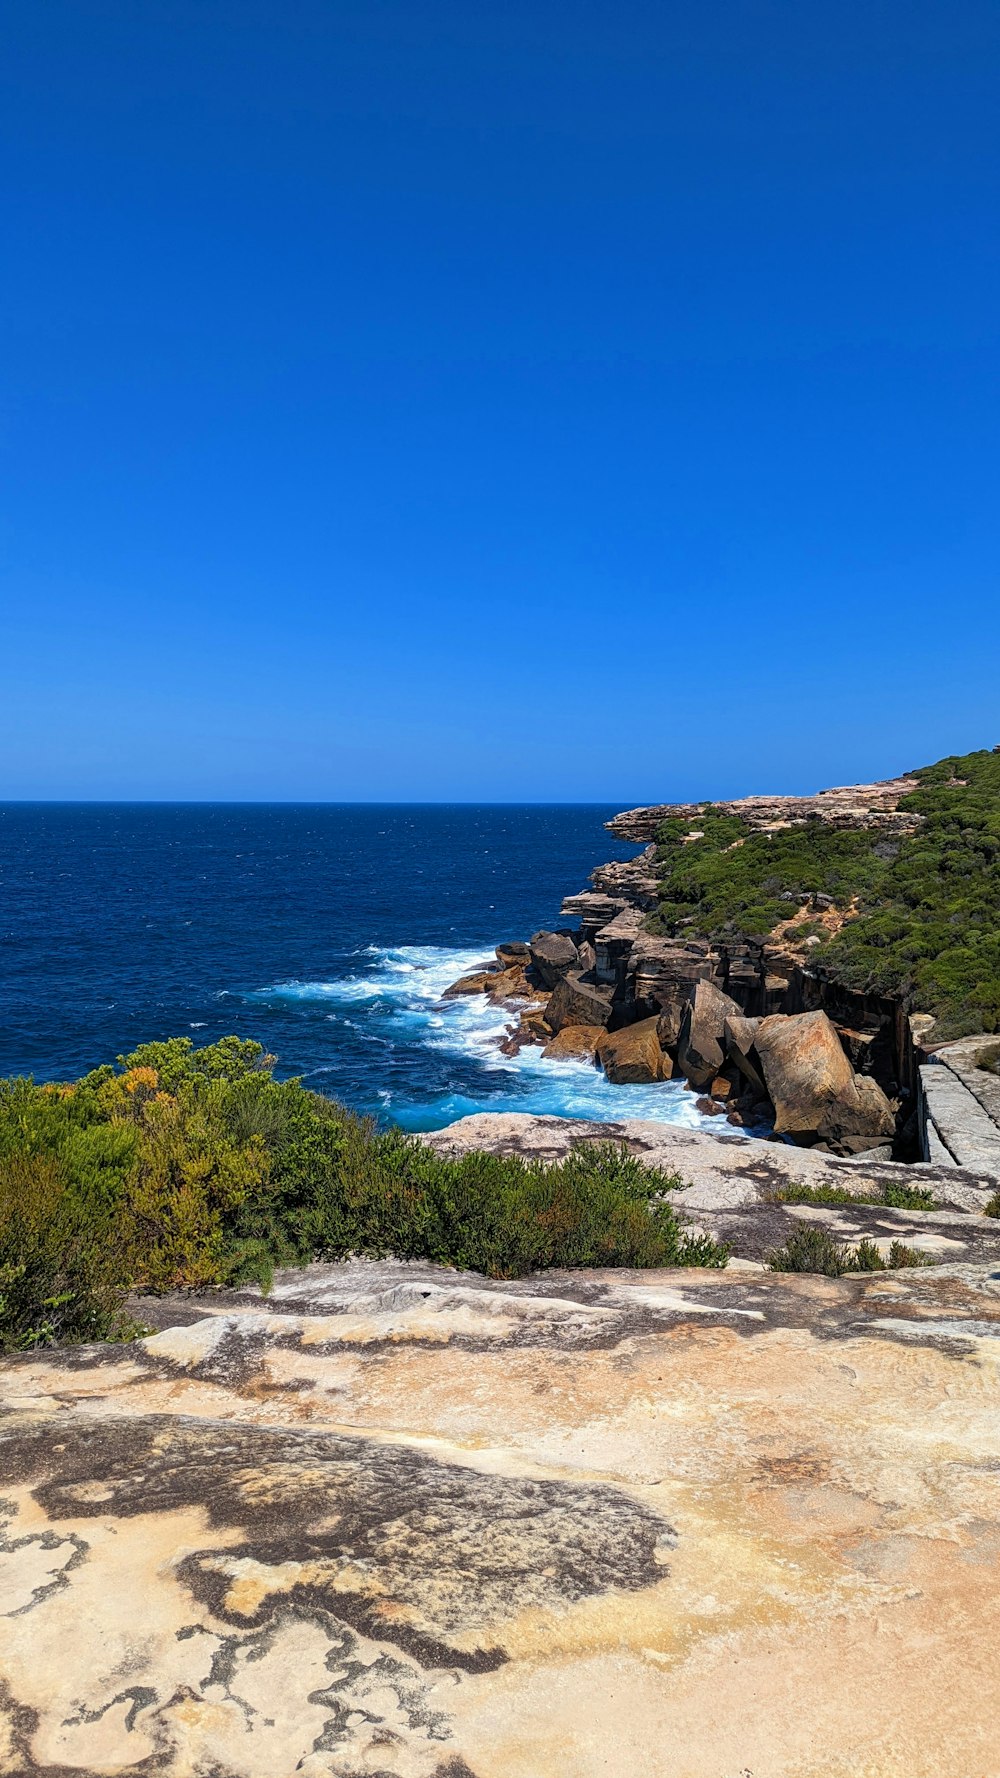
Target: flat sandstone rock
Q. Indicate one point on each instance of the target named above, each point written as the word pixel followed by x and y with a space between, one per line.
pixel 398 1520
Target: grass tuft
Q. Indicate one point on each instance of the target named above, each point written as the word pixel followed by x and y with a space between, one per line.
pixel 891 1196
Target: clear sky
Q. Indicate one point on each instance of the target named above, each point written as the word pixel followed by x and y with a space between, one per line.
pixel 541 399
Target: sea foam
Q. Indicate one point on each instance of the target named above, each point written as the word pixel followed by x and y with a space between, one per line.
pixel 398 999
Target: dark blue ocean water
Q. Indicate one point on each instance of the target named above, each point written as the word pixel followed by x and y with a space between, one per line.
pixel 327 932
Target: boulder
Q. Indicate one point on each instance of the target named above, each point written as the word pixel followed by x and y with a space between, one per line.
pixel 857 1046
pixel 478 983
pixel 700 1052
pixel 670 1020
pixel 740 1034
pixel 815 1092
pixel 553 955
pixel 632 1056
pixel 530 1029
pixel 586 957
pixel 575 1043
pixel 514 952
pixel 850 1129
pixel 575 1001
pixel 514 984
pixel 724 1086
pixel 738 1038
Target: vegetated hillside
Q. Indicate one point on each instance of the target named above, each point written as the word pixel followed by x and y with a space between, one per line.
pixel 921 911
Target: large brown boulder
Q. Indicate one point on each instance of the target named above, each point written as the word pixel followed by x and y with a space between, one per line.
pixel 514 983
pixel 815 1092
pixel 850 1129
pixel 515 951
pixel 553 955
pixel 700 1051
pixel 575 1043
pixel 633 1055
pixel 575 1001
pixel 478 983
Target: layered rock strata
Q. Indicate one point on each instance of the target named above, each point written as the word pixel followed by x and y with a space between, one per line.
pixel 849 805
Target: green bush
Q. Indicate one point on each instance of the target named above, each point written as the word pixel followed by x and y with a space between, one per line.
pixel 62 1263
pixel 813 1248
pixel 810 1248
pixel 183 1168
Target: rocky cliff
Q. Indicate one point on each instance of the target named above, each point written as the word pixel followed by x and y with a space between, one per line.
pixel 852 805
pixel 749 948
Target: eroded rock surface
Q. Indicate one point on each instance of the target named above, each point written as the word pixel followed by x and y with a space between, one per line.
pixel 404 1522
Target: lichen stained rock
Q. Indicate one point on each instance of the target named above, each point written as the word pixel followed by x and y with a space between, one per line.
pixel 399 1520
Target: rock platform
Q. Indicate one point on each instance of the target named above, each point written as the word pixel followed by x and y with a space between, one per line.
pixel 402 1522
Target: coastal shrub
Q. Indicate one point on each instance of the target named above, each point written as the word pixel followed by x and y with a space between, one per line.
pixel 924 908
pixel 506 1216
pixel 810 1248
pixel 181 1168
pixel 893 1196
pixel 901 1256
pixel 813 1248
pixel 63 1263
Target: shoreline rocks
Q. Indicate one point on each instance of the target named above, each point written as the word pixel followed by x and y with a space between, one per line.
pixel 578 1043
pixel 632 1056
pixel 793 1070
pixel 750 1024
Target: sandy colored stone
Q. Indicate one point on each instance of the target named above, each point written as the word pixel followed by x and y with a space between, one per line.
pixel 575 1043
pixel 575 1001
pixel 806 1071
pixel 850 805
pixel 402 1521
pixel 700 1044
pixel 632 1056
pixel 479 982
pixel 514 983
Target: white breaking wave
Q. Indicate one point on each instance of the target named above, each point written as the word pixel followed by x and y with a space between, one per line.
pixel 400 999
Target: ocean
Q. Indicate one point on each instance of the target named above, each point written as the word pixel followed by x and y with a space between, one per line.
pixel 328 932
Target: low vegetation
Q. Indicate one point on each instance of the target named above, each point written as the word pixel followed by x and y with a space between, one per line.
pixel 813 1248
pixel 892 1196
pixel 182 1168
pixel 924 909
pixel 989 1059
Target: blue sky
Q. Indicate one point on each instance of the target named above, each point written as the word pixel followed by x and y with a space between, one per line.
pixel 513 401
